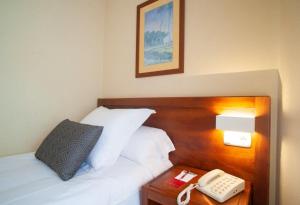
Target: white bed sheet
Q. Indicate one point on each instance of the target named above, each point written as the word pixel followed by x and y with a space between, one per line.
pixel 25 180
pixel 134 199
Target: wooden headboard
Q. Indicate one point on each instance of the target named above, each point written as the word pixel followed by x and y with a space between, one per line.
pixel 190 123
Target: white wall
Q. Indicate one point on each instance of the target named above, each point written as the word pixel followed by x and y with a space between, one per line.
pixel 290 116
pixel 224 39
pixel 51 57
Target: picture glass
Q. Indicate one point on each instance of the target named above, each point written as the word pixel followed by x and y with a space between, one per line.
pixel 158 35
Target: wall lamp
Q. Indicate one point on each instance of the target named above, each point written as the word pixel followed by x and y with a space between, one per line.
pixel 237 127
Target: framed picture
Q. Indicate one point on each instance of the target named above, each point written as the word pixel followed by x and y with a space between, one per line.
pixel 160 38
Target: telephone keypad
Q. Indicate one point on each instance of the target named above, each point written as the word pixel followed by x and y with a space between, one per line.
pixel 222 185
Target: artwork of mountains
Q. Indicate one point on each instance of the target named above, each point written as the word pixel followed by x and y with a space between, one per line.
pixel 158 35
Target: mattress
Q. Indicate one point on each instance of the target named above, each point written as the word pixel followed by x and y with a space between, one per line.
pixel 25 180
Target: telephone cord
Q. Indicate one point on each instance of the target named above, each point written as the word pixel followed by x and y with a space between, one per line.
pixel 187 191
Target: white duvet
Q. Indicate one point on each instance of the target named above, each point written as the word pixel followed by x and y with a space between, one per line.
pixel 26 180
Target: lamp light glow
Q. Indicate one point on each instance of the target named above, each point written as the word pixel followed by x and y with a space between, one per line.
pixel 237 128
pixel 241 139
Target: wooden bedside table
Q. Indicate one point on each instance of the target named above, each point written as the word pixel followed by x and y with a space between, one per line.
pixel 161 191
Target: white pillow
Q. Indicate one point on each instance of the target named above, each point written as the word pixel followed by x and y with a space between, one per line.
pixel 119 125
pixel 148 143
pixel 157 166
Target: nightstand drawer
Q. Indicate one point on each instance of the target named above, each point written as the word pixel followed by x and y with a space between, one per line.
pixel 156 197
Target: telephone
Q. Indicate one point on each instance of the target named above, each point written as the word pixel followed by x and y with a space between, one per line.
pixel 217 184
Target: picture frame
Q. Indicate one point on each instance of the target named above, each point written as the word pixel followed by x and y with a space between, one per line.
pixel 160 38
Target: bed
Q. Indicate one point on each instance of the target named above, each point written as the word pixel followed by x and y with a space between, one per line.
pixel 29 181
pixel 189 122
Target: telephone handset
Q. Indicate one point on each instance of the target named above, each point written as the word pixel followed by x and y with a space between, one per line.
pixel 210 176
pixel 217 184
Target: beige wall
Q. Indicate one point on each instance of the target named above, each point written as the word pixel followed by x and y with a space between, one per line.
pixel 50 66
pixel 223 39
pixel 51 57
pixel 290 116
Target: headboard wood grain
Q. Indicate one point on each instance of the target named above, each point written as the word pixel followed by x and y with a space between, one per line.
pixel 190 123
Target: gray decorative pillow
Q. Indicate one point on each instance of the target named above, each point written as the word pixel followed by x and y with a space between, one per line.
pixel 67 146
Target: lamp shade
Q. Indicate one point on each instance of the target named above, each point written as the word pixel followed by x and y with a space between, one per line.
pixel 236 123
